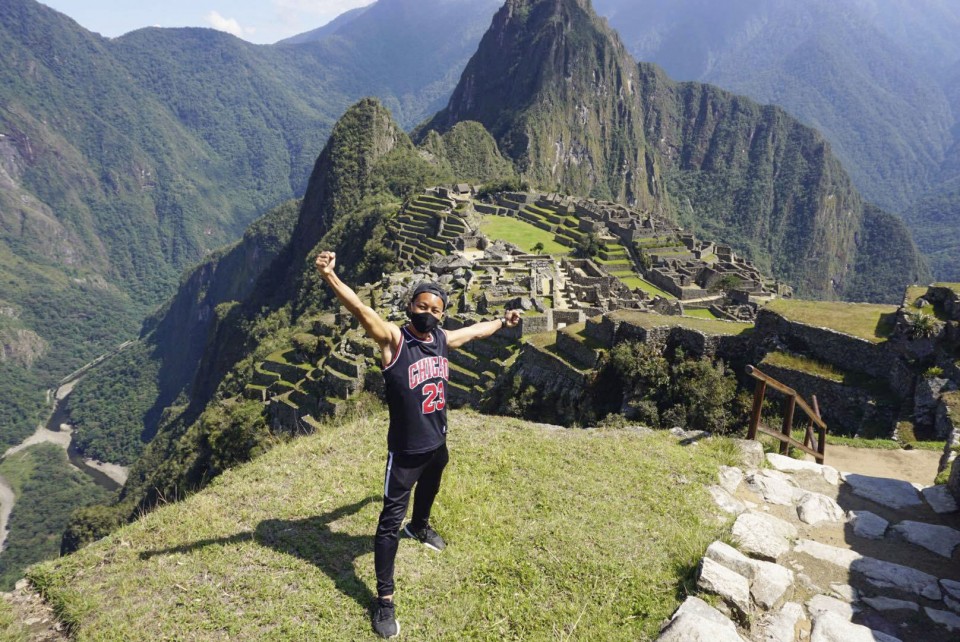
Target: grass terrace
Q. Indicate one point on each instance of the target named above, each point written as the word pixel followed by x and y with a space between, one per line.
pixel 648 287
pixel 539 548
pixel 707 326
pixel 700 313
pixel 520 233
pixel 870 321
pixel 803 364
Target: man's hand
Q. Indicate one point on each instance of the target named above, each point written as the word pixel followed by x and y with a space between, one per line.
pixel 512 318
pixel 325 263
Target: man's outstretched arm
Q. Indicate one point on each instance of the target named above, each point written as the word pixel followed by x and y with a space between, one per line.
pixel 456 338
pixel 385 334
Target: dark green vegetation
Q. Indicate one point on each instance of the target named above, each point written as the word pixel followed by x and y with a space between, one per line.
pixel 565 101
pixel 47 490
pixel 877 79
pixel 281 548
pixel 127 161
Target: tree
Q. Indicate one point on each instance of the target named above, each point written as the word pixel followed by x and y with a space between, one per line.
pixel 537 248
pixel 587 247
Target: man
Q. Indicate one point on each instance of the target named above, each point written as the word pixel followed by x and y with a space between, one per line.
pixel 415 371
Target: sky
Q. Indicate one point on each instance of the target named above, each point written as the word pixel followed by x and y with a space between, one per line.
pixel 258 21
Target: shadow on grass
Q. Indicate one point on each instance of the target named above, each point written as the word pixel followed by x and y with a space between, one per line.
pixel 310 539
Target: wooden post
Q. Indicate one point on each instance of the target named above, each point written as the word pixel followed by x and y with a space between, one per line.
pixel 821 434
pixel 758 394
pixel 788 406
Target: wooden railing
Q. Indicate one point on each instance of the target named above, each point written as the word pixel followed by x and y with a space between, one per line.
pixel 793 399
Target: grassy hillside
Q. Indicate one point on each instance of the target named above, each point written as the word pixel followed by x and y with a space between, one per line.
pixel 551 533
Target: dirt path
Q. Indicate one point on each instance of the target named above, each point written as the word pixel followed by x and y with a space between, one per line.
pixel 917 466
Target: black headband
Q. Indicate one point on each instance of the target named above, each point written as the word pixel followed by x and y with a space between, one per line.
pixel 432 288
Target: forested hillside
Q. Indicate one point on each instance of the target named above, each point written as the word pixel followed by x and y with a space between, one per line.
pixel 124 162
pixel 878 79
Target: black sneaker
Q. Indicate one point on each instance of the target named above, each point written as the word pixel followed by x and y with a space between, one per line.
pixel 426 536
pixel 384 619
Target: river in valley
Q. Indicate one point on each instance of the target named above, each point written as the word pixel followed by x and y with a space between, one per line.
pixel 58 431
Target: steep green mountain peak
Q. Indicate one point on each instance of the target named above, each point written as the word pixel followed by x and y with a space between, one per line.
pixel 556 88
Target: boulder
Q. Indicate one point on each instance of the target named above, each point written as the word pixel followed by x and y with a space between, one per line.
pixel 763 535
pixel 830 627
pixel 867 525
pixel 892 493
pixel 697 621
pixel 941 540
pixel 774 486
pixel 732 587
pixel 814 508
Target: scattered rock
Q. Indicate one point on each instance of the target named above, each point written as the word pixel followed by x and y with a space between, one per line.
pixel 841 557
pixel 940 498
pixel 942 540
pixel 730 478
pixel 697 621
pixel 727 502
pixel 774 486
pixel 763 535
pixel 820 604
pixel 951 588
pixel 751 452
pixel 892 493
pixel 844 592
pixel 782 625
pixel 731 558
pixel 791 465
pixel 944 618
pixel 881 603
pixel 814 508
pixel 883 574
pixel 729 585
pixel 830 627
pixel 770 583
pixel 867 525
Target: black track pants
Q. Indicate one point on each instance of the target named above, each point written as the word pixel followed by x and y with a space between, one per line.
pixel 403 471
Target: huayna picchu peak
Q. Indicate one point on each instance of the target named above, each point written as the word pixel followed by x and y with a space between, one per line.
pixel 556 88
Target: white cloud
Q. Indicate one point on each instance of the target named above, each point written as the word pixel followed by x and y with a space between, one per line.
pixel 230 25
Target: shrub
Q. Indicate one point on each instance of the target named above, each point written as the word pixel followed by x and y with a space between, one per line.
pixel 922 326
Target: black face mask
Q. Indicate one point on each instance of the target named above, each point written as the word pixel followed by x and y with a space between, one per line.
pixel 424 322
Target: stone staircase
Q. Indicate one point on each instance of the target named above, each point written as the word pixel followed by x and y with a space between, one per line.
pixel 826 556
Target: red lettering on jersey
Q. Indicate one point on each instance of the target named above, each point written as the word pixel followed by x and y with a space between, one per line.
pixel 426 369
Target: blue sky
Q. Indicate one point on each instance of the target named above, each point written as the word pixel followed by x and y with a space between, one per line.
pixel 260 21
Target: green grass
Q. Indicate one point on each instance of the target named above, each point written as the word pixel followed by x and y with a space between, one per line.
pixel 702 313
pixel 10 629
pixel 540 545
pixel 707 326
pixel 520 233
pixel 870 321
pixel 803 364
pixel 649 288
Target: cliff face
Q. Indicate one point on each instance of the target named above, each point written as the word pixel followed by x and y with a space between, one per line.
pixel 564 100
pixel 558 91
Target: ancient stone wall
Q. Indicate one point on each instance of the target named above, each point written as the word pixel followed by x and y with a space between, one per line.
pixel 847 353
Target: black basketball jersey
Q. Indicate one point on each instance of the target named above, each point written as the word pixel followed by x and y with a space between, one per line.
pixel 416 383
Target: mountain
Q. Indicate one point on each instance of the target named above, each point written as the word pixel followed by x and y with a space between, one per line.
pixel 407 52
pixel 125 161
pixel 871 75
pixel 315 35
pixel 879 78
pixel 564 99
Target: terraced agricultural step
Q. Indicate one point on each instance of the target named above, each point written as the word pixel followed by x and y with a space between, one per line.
pixel 255 392
pixel 344 365
pixel 337 384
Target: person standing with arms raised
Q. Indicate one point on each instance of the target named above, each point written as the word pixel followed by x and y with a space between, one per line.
pixel 415 371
